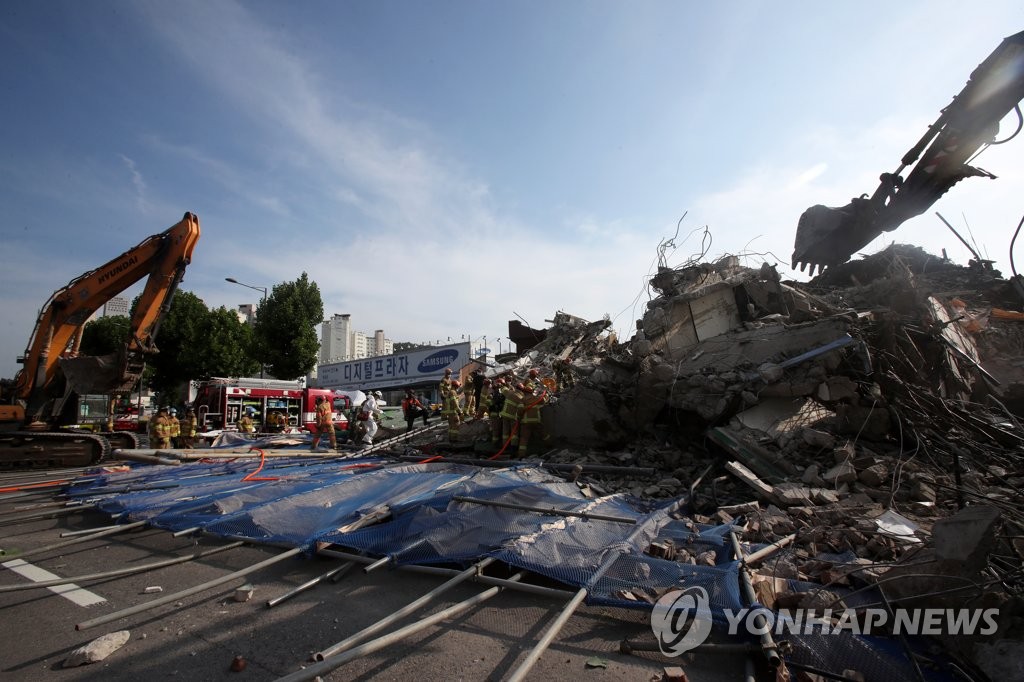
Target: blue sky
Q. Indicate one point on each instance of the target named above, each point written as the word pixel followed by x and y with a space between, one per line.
pixel 440 167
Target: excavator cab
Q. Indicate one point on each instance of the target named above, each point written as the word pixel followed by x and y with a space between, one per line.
pixel 830 236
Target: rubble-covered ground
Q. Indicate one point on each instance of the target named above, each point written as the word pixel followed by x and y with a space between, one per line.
pixel 874 413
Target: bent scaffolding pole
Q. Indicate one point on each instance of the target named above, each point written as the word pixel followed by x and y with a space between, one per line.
pixel 411 607
pixel 209 585
pixel 141 568
pixel 314 671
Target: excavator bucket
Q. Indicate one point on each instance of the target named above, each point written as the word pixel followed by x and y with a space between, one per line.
pixel 98 374
pixel 830 236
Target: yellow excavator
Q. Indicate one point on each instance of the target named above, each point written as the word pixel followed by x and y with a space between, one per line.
pixel 33 429
pixel 830 236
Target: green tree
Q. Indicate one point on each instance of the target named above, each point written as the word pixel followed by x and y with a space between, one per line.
pixel 403 346
pixel 196 343
pixel 105 335
pixel 285 336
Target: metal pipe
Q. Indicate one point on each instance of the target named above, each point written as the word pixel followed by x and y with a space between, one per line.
pixel 141 568
pixel 587 468
pixel 627 647
pixel 339 570
pixel 187 531
pixel 768 645
pixel 377 564
pixel 33 507
pixel 539 590
pixel 315 670
pixel 84 538
pixel 550 511
pixel 766 552
pixel 534 655
pixel 209 585
pixel 86 531
pixel 148 459
pixel 411 607
pixel 556 627
pixel 45 515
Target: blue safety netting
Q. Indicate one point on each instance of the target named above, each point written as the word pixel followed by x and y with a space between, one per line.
pixel 410 514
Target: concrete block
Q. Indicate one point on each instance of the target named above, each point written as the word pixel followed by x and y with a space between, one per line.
pixel 967 536
pixel 840 473
pixel 97 649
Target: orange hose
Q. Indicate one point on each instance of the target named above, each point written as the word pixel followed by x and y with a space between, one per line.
pixel 252 476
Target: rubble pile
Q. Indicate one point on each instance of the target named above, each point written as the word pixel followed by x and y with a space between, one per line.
pixel 873 413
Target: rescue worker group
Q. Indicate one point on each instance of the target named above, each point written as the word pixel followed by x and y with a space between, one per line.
pixel 510 406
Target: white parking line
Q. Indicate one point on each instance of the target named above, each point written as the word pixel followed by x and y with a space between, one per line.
pixel 70 591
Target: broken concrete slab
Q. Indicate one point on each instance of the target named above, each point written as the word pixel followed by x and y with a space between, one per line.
pixel 968 536
pixel 98 649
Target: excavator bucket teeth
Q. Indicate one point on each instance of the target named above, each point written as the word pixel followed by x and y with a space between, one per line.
pixel 830 236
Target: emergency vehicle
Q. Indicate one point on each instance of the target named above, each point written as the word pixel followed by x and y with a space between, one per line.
pixel 220 403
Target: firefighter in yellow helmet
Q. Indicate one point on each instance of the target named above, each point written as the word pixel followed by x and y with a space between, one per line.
pixel 160 430
pixel 534 397
pixel 511 410
pixel 246 425
pixel 451 409
pixel 174 428
pixel 189 428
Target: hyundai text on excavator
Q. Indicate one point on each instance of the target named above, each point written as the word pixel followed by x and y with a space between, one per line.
pixel 830 236
pixel 54 374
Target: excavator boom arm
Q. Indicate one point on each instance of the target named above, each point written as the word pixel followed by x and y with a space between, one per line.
pixel 829 236
pixel 54 341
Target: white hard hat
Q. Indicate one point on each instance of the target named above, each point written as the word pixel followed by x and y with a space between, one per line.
pixel 378 394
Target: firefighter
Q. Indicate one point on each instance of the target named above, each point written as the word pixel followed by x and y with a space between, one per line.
pixel 324 424
pixel 510 413
pixel 159 430
pixel 372 415
pixel 412 408
pixel 246 424
pixel 530 423
pixel 174 428
pixel 496 402
pixel 452 410
pixel 274 422
pixel 483 403
pixel 188 429
pixel 445 387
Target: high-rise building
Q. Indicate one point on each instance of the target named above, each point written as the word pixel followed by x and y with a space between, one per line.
pixel 335 338
pixel 118 305
pixel 247 313
pixel 339 342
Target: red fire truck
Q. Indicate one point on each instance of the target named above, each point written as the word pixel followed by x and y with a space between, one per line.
pixel 219 403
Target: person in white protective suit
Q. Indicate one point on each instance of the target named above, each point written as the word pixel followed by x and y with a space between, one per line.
pixel 373 413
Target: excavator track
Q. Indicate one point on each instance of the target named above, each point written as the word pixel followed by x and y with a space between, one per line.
pixel 47 449
pixel 121 440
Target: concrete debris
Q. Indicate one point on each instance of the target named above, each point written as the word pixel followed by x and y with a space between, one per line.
pixel 98 649
pixel 874 411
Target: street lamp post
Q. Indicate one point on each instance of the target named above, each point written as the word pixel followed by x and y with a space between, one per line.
pixel 262 302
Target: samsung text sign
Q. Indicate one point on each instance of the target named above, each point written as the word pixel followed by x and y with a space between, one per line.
pixel 400 369
pixel 436 362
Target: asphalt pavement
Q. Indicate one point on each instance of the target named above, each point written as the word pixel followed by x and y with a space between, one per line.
pixel 197 637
